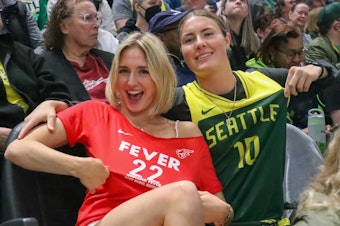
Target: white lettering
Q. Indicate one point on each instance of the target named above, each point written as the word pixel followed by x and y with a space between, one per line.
pixel 134 150
pixel 124 145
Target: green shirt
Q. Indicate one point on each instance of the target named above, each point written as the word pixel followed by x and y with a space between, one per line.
pixel 248 152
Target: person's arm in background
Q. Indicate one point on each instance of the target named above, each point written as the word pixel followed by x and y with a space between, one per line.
pixel 301 79
pixel 105 17
pixel 121 12
pixel 35 34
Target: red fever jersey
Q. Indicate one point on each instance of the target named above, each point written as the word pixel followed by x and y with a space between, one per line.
pixel 138 161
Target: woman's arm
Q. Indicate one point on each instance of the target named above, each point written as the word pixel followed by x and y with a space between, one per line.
pixel 35 152
pixel 216 209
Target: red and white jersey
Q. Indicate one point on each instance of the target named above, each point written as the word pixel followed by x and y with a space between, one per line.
pixel 138 161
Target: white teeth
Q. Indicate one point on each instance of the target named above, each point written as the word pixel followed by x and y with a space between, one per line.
pixel 134 92
pixel 202 56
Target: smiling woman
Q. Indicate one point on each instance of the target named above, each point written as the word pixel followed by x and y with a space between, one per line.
pixel 241 115
pixel 160 175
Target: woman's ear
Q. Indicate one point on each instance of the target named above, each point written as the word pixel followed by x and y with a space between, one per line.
pixel 227 39
pixel 63 27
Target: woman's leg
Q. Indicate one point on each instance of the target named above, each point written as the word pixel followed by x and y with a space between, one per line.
pixel 174 204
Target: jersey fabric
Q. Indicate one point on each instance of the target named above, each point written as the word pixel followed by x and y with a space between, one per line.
pixel 248 149
pixel 138 161
pixel 93 75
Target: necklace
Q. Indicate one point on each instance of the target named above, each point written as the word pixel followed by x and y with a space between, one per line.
pixel 219 107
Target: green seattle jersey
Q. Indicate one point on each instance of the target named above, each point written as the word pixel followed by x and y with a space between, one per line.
pixel 248 149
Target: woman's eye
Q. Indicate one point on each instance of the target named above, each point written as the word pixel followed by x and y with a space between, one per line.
pixel 122 71
pixel 208 34
pixel 187 40
pixel 144 72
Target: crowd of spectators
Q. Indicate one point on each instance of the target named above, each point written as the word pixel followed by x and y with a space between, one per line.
pixel 74 48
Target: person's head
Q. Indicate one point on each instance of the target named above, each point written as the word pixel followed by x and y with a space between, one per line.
pixel 265 23
pixel 283 7
pixel 311 23
pixel 204 42
pixel 283 47
pixel 73 21
pixel 142 78
pixel 238 19
pixel 315 3
pixel 235 9
pixel 298 15
pixel 329 18
pixel 147 8
pixel 165 26
pixel 327 181
pixel 193 4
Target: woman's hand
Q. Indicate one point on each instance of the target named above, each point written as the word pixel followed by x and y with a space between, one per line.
pixel 216 210
pixel 299 79
pixel 44 112
pixel 92 173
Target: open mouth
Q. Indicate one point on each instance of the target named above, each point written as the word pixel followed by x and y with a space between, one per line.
pixel 135 95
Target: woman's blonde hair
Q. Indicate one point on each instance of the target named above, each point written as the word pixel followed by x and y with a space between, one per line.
pixel 160 69
pixel 327 181
pixel 311 23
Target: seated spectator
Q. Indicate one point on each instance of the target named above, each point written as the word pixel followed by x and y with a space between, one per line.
pixel 19 21
pixel 313 4
pixel 70 38
pixel 123 10
pixel 298 15
pixel 165 26
pixel 104 14
pixel 25 82
pixel 264 24
pixel 311 26
pixel 244 41
pixel 139 163
pixel 283 48
pixel 319 203
pixel 326 47
pixel 145 10
pixel 283 8
pixel 107 40
pixel 226 106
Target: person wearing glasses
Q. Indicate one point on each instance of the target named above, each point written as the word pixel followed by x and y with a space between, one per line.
pixel 70 38
pixel 283 48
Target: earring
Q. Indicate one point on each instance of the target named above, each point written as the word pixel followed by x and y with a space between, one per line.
pixel 117 99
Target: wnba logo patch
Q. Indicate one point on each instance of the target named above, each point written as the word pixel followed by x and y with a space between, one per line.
pixel 183 153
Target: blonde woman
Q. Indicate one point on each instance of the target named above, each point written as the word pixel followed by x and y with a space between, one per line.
pixel 142 169
pixel 320 203
pixel 311 26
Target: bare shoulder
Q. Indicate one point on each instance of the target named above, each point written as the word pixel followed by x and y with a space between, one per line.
pixel 188 129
